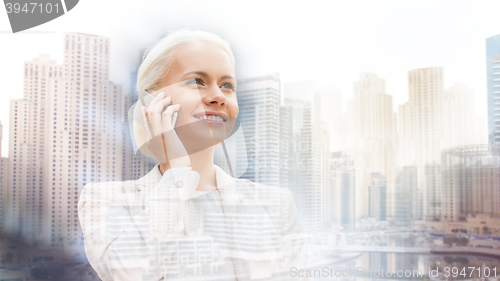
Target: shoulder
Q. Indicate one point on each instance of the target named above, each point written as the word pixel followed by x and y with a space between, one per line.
pixel 112 187
pixel 119 187
pixel 115 191
pixel 105 192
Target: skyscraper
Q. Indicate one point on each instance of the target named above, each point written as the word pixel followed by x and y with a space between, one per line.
pixel 342 190
pixel 4 174
pixel 371 131
pixel 65 133
pixel 94 121
pixel 135 163
pixel 297 161
pixel 259 101
pixel 330 101
pixel 493 84
pixel 303 139
pixel 378 197
pixel 461 125
pixel 327 118
pixel 407 196
pixel 421 140
pixel 29 127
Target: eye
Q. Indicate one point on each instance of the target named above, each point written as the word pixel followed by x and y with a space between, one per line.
pixel 228 85
pixel 195 81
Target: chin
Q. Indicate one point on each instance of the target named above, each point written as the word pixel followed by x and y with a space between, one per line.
pixel 198 136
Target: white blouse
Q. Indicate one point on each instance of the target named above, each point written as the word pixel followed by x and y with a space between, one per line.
pixel 161 228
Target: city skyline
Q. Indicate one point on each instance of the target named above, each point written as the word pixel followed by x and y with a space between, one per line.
pixel 339 42
pixel 382 171
pixel 364 120
pixel 367 137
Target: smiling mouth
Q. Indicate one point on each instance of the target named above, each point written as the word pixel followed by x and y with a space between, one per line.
pixel 212 118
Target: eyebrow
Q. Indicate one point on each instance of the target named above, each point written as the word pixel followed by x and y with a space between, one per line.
pixel 204 74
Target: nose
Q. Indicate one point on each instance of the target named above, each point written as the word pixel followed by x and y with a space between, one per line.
pixel 215 96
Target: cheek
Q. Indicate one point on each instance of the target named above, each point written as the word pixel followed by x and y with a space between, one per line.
pixel 234 109
pixel 188 102
pixel 188 107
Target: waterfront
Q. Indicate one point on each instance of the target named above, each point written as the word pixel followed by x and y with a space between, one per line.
pixel 409 254
pixel 357 255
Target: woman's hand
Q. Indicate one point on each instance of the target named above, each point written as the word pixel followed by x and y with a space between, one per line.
pixel 162 140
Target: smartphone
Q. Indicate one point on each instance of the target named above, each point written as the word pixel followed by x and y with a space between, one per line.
pixel 146 98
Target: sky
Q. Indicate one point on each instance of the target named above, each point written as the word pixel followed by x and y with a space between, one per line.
pixel 331 42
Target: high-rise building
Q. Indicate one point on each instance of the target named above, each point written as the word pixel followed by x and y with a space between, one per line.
pixel 325 174
pixel 65 133
pixel 407 198
pixel 29 125
pixel 471 180
pixel 135 163
pixel 331 113
pixel 4 174
pixel 371 109
pixel 90 140
pixel 303 144
pixel 343 190
pixel 421 135
pixel 426 94
pixel 259 107
pixel 371 133
pixel 461 125
pixel 297 161
pixel 493 84
pixel 378 197
pixel 321 142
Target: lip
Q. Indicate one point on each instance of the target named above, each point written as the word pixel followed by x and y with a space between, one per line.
pixel 211 113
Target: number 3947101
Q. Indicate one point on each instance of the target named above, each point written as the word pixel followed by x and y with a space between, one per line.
pixel 470 272
pixel 38 8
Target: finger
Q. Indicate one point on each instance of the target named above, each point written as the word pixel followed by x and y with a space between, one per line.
pixel 155 115
pixel 155 100
pixel 166 119
pixel 146 123
pixel 152 142
pixel 161 104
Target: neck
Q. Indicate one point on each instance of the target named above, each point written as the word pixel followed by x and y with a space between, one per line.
pixel 203 163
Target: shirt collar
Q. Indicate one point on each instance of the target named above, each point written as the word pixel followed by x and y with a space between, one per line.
pixel 225 183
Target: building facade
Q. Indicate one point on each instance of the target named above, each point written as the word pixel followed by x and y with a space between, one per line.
pixel 493 84
pixel 421 136
pixel 259 107
pixel 65 132
pixel 471 181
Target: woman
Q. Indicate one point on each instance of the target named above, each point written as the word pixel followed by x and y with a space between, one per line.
pixel 187 218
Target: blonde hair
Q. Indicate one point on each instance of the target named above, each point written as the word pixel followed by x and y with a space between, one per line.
pixel 157 62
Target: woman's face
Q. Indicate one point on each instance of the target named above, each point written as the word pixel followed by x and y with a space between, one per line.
pixel 202 80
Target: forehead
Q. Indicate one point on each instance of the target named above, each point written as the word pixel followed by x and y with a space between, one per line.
pixel 201 56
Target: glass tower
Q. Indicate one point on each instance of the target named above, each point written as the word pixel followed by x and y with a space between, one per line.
pixel 493 78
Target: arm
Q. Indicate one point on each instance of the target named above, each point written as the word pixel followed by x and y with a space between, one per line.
pixel 121 225
pixel 108 229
